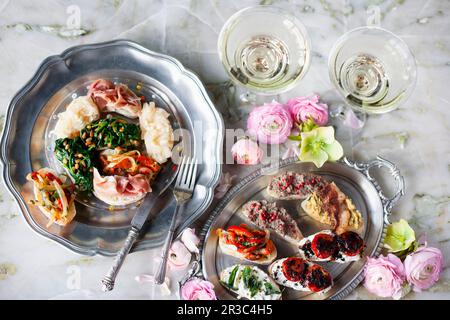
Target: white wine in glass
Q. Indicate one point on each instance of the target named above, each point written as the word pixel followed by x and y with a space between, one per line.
pixel 264 49
pixel 372 69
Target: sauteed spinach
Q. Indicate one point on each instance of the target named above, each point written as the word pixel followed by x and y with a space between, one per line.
pixel 78 160
pixel 111 133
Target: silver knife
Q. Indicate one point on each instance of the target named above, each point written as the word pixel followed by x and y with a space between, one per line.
pixel 163 181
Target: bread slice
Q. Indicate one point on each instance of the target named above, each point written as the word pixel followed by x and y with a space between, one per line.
pixel 232 250
pixel 332 207
pixel 71 210
pixel 268 216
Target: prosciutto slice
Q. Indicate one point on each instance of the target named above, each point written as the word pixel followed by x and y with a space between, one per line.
pixel 115 98
pixel 120 190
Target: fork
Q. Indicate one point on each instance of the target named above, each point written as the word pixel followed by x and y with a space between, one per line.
pixel 182 190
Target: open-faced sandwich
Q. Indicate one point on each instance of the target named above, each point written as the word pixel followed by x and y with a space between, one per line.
pixel 301 275
pixel 54 195
pixel 329 205
pixel 322 200
pixel 247 244
pixel 250 282
pixel 328 246
pixel 267 215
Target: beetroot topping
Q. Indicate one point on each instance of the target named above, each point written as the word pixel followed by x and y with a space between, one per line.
pixel 318 278
pixel 350 243
pixel 324 245
pixel 295 269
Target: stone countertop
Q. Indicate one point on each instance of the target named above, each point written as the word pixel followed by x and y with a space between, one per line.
pixel 416 136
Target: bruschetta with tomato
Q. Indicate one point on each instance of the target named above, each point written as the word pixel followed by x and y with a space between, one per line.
pixel 326 245
pixel 248 244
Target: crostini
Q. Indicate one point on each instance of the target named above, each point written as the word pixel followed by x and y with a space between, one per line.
pixel 301 275
pixel 54 195
pixel 328 246
pixel 249 282
pixel 267 215
pixel 248 244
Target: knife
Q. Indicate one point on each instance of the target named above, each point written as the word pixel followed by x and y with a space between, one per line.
pixel 162 183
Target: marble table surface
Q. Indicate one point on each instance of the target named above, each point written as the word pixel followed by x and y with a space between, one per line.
pixel 416 136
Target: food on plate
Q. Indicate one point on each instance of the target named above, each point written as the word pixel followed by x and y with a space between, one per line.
pixel 111 133
pixel 110 97
pixel 250 282
pixel 248 244
pixel 267 215
pixel 329 246
pixel 294 186
pixel 104 154
pixel 119 161
pixel 322 200
pixel 157 132
pixel 120 190
pixel 77 115
pixel 301 275
pixel 54 195
pixel 77 160
pixel 329 205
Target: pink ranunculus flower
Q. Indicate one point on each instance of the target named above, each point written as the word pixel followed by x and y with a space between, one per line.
pixel 270 123
pixel 423 267
pixel 385 276
pixel 246 151
pixel 302 108
pixel 197 289
pixel 179 256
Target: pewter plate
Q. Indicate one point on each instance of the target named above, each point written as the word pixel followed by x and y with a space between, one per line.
pixel 27 143
pixel 354 179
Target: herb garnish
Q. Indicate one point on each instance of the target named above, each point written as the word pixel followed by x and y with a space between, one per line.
pixel 251 281
pixel 270 289
pixel 232 276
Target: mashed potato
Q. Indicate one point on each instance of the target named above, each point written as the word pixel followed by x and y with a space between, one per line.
pixel 80 112
pixel 156 132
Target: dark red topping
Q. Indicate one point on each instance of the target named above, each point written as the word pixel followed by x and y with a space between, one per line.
pixel 295 269
pixel 318 278
pixel 350 243
pixel 330 201
pixel 324 245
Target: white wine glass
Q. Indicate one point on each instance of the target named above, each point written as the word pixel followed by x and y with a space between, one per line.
pixel 373 70
pixel 264 49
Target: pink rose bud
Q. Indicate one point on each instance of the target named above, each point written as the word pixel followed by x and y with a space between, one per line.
pixel 385 276
pixel 423 267
pixel 246 151
pixel 179 256
pixel 303 108
pixel 270 123
pixel 197 289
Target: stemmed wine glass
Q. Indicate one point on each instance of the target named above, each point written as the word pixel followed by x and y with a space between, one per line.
pixel 373 70
pixel 264 49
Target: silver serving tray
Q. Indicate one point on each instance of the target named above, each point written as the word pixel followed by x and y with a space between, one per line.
pixel 354 179
pixel 26 143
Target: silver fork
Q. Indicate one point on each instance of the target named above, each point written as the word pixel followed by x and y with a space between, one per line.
pixel 182 190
